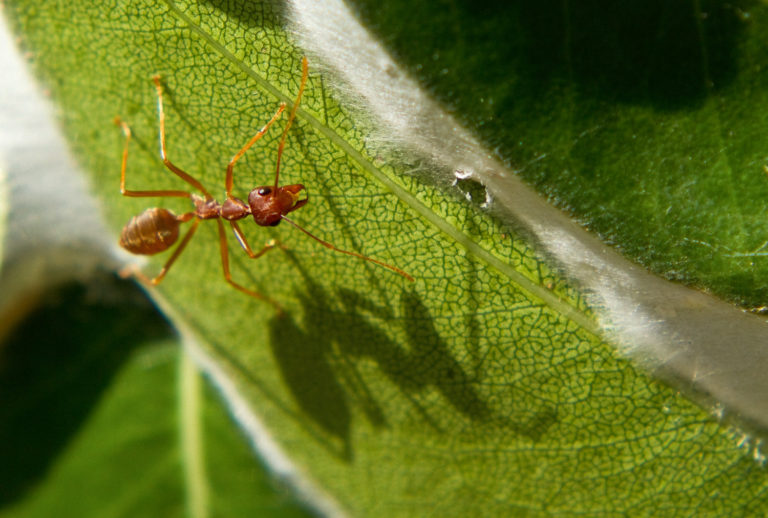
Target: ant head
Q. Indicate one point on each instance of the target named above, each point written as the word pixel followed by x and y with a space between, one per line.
pixel 268 204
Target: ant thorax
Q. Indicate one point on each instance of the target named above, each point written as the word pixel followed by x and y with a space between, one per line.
pixel 206 208
pixel 233 209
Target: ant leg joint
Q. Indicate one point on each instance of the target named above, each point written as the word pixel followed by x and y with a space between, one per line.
pixel 132 271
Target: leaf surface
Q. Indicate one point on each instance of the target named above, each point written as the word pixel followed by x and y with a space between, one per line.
pixel 482 388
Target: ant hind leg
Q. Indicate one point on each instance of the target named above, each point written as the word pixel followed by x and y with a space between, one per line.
pixel 140 194
pixel 176 253
pixel 161 116
pixel 133 271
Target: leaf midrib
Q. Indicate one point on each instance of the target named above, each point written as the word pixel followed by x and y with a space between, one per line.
pixel 560 305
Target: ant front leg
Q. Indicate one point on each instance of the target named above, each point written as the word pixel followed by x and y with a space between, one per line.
pixel 244 243
pixel 228 275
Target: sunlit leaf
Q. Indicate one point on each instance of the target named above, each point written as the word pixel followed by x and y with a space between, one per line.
pixel 481 388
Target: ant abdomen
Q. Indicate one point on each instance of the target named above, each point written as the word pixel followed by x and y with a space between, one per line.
pixel 151 232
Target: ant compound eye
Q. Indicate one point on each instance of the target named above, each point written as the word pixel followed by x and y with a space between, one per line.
pixel 264 191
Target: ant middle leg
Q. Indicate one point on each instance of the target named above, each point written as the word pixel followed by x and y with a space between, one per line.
pixel 161 116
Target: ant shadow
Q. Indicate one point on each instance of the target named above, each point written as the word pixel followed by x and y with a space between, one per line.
pixel 319 361
pixel 262 13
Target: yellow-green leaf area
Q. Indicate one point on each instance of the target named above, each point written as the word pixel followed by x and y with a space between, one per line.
pixel 480 389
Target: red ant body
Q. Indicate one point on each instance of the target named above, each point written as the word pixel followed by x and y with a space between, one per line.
pixel 157 229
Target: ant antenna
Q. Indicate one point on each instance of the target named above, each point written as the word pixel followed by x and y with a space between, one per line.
pixel 354 254
pixel 304 75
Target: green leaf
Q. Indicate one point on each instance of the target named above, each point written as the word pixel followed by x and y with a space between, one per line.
pixel 483 388
pixel 88 421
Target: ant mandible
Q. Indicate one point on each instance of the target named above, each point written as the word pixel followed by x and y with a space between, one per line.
pixel 157 229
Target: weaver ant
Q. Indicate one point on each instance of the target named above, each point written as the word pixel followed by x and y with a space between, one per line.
pixel 157 229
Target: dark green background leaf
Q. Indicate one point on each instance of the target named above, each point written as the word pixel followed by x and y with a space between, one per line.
pixel 91 420
pixel 644 119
